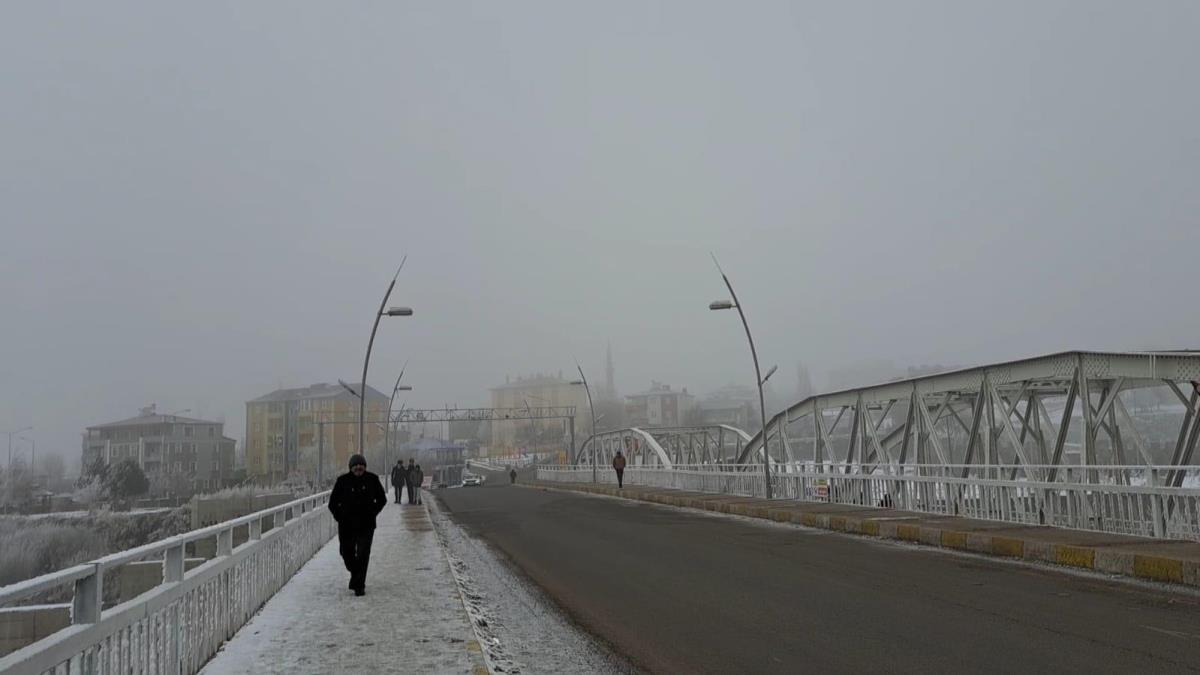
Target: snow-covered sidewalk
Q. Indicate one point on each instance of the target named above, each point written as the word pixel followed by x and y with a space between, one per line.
pixel 411 620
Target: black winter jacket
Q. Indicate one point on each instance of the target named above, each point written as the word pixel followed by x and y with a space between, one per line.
pixel 356 501
pixel 399 476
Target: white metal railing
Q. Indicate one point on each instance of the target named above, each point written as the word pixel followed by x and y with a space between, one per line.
pixel 1137 500
pixel 178 625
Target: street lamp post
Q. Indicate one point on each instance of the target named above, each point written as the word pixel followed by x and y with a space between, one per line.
pixel 758 378
pixel 591 411
pixel 393 311
pixel 387 427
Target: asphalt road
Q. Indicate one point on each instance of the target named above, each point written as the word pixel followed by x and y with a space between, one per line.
pixel 677 591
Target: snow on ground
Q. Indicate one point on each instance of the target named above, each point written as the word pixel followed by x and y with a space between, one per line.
pixel 521 629
pixel 411 619
pixel 83 514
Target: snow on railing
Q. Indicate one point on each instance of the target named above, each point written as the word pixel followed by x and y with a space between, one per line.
pixel 1151 501
pixel 177 625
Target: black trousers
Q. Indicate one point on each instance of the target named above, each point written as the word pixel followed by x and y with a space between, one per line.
pixel 397 488
pixel 411 500
pixel 355 547
pixel 620 477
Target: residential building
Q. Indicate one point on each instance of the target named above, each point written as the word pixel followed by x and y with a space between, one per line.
pixel 534 392
pixel 732 404
pixel 659 406
pixel 165 445
pixel 283 439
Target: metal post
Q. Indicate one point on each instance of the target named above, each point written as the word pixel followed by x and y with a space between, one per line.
pixel 592 412
pixel 572 423
pixel 762 405
pixel 362 392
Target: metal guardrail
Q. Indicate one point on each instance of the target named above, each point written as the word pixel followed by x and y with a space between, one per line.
pixel 179 624
pixel 1118 499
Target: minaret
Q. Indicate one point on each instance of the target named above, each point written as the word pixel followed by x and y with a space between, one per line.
pixel 610 387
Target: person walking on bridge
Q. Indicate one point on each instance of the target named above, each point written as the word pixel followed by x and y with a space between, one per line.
pixel 357 497
pixel 619 467
pixel 409 474
pixel 418 477
pixel 399 477
pixel 512 476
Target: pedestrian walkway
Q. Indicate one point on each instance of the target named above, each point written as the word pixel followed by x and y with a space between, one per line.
pixel 1140 557
pixel 411 620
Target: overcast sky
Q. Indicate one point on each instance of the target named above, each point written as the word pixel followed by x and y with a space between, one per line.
pixel 200 203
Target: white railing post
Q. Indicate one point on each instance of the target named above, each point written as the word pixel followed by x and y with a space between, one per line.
pixel 89 597
pixel 225 542
pixel 173 564
pixel 1158 513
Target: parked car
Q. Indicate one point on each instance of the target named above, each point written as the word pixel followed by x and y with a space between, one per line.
pixel 470 479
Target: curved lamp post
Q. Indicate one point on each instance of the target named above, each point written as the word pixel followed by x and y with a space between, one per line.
pixel 591 411
pixel 393 311
pixel 758 378
pixel 387 428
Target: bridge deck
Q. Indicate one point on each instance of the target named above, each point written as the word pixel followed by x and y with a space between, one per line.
pixel 411 619
pixel 1152 559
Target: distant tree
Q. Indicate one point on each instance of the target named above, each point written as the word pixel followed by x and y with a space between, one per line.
pixel 93 472
pixel 126 480
pixel 21 488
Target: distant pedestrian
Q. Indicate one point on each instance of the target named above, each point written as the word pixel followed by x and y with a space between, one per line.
pixel 357 497
pixel 417 479
pixel 619 467
pixel 399 474
pixel 512 476
pixel 409 474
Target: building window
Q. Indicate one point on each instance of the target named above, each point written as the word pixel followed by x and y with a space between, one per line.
pixel 188 431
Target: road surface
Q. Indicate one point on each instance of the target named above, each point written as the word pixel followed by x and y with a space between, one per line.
pixel 680 591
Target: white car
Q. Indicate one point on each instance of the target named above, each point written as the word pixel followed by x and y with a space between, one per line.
pixel 471 479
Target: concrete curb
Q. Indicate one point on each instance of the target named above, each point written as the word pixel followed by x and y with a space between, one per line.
pixel 1170 561
pixel 480 664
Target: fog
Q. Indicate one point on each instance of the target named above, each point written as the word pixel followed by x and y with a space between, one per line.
pixel 201 203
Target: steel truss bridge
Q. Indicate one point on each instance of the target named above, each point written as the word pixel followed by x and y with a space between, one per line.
pixel 990 442
pixel 1002 413
pixel 665 446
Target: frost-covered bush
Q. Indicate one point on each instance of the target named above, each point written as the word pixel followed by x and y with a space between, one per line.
pixel 40 548
pixel 35 546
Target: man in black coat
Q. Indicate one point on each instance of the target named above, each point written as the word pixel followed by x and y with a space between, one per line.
pixel 399 478
pixel 357 498
pixel 408 481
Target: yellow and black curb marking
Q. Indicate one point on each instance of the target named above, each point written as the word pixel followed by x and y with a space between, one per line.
pixel 1008 544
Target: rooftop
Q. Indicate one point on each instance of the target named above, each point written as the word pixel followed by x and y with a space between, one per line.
pixel 320 390
pixel 659 389
pixel 538 380
pixel 145 420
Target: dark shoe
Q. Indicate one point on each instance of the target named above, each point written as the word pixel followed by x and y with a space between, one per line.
pixel 351 586
pixel 360 592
